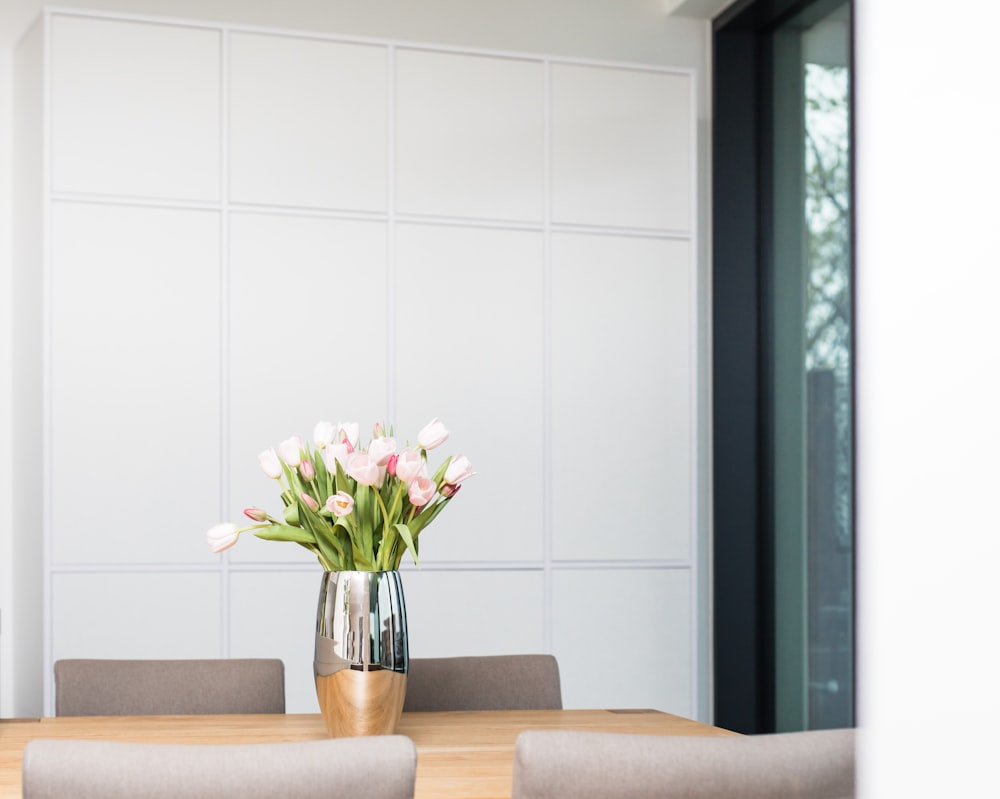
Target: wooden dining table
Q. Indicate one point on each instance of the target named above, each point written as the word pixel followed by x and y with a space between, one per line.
pixel 467 754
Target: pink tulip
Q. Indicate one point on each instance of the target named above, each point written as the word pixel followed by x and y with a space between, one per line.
pixel 324 434
pixel 378 431
pixel 433 434
pixel 309 502
pixel 421 491
pixel 336 453
pixel 363 469
pixel 348 431
pixel 409 465
pixel 255 514
pixel 390 466
pixel 340 504
pixel 269 462
pixel 222 536
pixel 307 470
pixel 458 470
pixel 381 449
pixel 448 490
pixel 290 451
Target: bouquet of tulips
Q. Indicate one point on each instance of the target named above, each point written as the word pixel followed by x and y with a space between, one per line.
pixel 356 509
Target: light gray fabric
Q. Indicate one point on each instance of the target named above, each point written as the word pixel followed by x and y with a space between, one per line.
pixel 492 682
pixel 382 766
pixel 586 765
pixel 169 687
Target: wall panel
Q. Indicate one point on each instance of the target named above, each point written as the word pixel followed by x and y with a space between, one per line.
pixel 274 228
pixel 144 118
pixel 612 298
pixel 307 342
pixel 625 636
pixel 468 334
pixel 621 147
pixel 273 614
pixel 464 123
pixel 135 461
pixel 484 612
pixel 130 615
pixel 307 122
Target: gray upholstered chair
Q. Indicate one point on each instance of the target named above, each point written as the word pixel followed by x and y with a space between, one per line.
pixel 588 765
pixel 489 682
pixel 382 766
pixel 169 687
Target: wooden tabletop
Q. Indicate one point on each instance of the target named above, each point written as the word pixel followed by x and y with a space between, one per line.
pixel 463 754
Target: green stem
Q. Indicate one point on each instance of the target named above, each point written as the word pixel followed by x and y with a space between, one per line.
pixel 385 513
pixel 380 558
pixel 396 500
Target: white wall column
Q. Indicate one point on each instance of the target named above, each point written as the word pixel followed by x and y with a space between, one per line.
pixel 928 406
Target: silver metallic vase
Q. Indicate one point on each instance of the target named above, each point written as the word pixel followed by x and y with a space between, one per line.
pixel 362 654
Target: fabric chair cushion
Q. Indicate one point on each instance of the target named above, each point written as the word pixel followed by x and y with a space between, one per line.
pixel 495 682
pixel 169 687
pixel 586 765
pixel 383 766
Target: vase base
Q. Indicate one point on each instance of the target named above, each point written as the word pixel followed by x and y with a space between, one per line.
pixel 361 702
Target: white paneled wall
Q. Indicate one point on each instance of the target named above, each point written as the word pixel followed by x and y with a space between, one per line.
pixel 307 123
pixel 247 231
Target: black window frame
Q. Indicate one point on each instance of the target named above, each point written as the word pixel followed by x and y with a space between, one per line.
pixel 743 558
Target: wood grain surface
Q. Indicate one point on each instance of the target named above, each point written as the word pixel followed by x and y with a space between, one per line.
pixel 466 754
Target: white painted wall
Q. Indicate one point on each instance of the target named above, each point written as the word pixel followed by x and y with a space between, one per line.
pixel 928 381
pixel 621 32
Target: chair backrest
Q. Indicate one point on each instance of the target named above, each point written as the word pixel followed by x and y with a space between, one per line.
pixel 490 682
pixel 586 765
pixel 169 687
pixel 382 766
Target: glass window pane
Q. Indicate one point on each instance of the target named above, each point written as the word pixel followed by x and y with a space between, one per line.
pixel 810 371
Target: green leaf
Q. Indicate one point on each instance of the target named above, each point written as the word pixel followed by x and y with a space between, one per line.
pixel 418 523
pixel 344 539
pixel 361 563
pixel 292 476
pixel 321 473
pixel 404 533
pixel 282 532
pixel 441 470
pixel 322 533
pixel 343 482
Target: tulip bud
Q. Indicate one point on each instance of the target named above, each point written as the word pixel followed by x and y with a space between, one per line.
pixel 381 449
pixel 364 470
pixel 448 490
pixel 256 514
pixel 308 501
pixel 290 451
pixel 421 491
pixel 390 465
pixel 324 434
pixel 378 431
pixel 334 454
pixel 269 462
pixel 433 434
pixel 459 469
pixel 222 536
pixel 348 431
pixel 307 470
pixel 409 465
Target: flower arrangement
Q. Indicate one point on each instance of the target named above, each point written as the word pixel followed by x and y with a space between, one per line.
pixel 356 509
